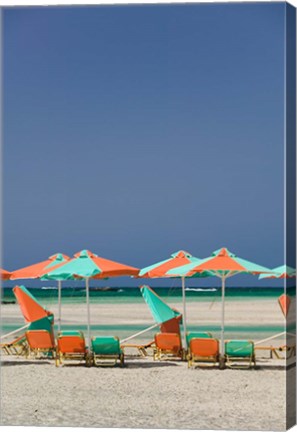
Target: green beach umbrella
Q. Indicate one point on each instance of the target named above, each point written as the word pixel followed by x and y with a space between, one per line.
pixel 222 264
pixel 281 272
pixel 161 269
pixel 159 309
pixel 87 265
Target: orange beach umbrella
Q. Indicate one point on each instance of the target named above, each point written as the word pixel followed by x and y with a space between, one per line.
pixel 4 274
pixel 31 309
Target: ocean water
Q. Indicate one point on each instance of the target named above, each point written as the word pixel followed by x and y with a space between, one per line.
pixel 48 296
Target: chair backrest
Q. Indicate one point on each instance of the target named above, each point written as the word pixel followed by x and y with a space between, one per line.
pixel 106 345
pixel 71 343
pixel 204 347
pixel 40 339
pixel 168 341
pixel 239 348
pixel 198 335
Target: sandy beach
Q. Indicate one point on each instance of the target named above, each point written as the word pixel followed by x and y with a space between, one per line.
pixel 147 393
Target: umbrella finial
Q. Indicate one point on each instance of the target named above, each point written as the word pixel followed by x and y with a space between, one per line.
pixel 181 254
pixel 223 252
pixel 59 257
pixel 85 253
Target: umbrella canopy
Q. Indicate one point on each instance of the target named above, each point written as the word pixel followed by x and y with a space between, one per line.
pixel 31 309
pixel 4 274
pixel 161 269
pixel 37 270
pixel 223 264
pixel 281 272
pixel 87 265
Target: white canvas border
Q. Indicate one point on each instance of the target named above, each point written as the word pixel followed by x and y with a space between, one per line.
pixel 24 3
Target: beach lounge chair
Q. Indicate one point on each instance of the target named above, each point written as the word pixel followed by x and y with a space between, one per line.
pixel 143 349
pixel 40 337
pixel 203 351
pixel 106 351
pixel 240 354
pixel 71 346
pixel 18 346
pixel 41 343
pixel 283 352
pixel 168 345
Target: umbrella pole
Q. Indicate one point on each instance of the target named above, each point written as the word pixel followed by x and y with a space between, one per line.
pixel 59 304
pixel 88 312
pixel 184 312
pixel 223 322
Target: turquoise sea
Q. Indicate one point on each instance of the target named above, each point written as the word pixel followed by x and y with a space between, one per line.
pixel 48 296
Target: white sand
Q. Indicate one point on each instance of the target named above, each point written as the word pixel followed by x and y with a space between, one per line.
pixel 148 394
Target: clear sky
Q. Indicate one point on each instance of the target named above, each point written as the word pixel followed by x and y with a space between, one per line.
pixel 136 131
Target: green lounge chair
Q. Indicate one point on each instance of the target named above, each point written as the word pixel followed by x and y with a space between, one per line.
pixel 106 351
pixel 240 354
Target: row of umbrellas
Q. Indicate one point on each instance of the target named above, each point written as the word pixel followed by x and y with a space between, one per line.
pixel 87 265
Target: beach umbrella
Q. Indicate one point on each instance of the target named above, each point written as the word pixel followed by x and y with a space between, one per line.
pixel 281 272
pixel 87 265
pixel 222 264
pixel 31 309
pixel 36 271
pixel 35 315
pixel 160 270
pixel 4 274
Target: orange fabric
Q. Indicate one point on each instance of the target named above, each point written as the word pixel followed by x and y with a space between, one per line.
pixel 31 310
pixel 4 274
pixel 221 262
pixel 168 342
pixel 35 271
pixel 284 302
pixel 171 326
pixel 111 268
pixel 204 347
pixel 40 339
pixel 71 344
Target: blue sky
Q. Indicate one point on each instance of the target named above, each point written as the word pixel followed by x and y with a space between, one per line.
pixel 136 131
